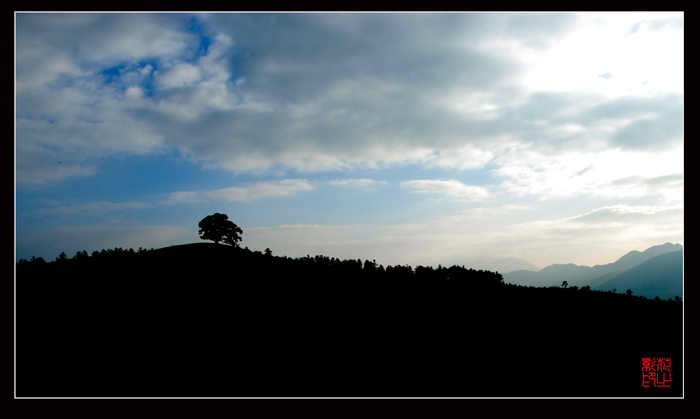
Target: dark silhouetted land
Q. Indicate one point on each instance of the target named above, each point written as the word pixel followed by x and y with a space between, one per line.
pixel 213 320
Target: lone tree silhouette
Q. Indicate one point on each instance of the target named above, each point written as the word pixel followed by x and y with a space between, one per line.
pixel 218 228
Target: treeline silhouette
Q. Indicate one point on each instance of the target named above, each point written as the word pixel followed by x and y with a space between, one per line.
pixel 117 252
pixel 215 320
pixel 324 266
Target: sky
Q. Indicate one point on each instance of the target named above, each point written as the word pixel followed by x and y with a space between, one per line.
pixel 405 138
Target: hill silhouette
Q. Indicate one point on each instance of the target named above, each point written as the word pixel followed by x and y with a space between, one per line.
pixel 207 320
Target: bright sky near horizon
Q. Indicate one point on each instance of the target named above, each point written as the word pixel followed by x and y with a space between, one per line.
pixel 408 138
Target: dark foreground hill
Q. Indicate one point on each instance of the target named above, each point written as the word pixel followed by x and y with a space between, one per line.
pixel 210 320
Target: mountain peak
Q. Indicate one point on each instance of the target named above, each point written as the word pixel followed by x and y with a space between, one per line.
pixel 636 257
pixel 666 247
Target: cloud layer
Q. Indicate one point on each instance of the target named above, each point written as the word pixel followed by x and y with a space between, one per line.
pixel 314 92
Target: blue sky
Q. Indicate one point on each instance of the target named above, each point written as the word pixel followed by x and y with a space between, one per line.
pixel 409 138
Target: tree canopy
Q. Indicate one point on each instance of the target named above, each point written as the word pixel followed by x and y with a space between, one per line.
pixel 218 228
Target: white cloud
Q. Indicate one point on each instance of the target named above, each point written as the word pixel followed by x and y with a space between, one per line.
pixel 356 182
pixel 92 208
pixel 602 44
pixel 465 158
pixel 450 188
pixel 528 172
pixel 260 190
pixel 469 222
pixel 184 197
pixel 621 215
pixel 179 75
pixel 250 193
pixel 35 172
pixel 140 36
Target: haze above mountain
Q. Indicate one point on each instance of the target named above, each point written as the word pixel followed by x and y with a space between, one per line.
pixel 501 265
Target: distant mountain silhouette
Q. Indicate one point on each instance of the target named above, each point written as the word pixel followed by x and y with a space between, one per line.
pixel 585 275
pixel 524 277
pixel 551 275
pixel 595 284
pixel 628 261
pixel 573 274
pixel 502 265
pixel 660 276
